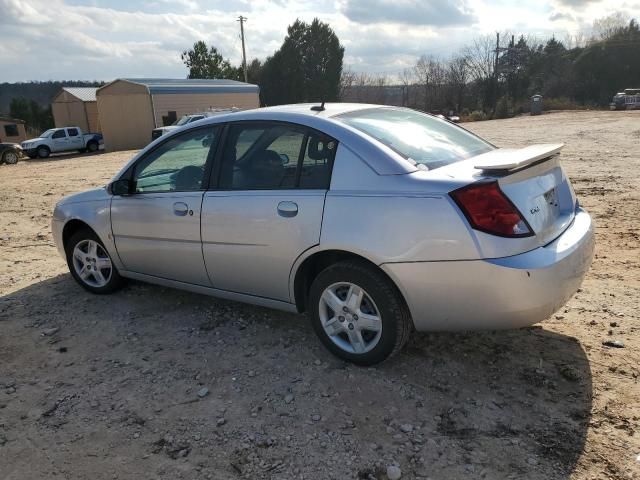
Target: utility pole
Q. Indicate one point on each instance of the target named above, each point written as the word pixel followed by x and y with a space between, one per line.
pixel 495 74
pixel 242 19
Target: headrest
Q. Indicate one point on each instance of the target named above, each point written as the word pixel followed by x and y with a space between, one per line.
pixel 320 149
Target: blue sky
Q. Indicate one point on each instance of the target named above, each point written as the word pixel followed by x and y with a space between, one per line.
pixel 102 40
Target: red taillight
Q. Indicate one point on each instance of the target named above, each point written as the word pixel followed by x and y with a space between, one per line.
pixel 490 211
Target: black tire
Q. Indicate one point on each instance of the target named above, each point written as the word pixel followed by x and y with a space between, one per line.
pixel 392 309
pixel 10 157
pixel 43 151
pixel 115 281
pixel 92 146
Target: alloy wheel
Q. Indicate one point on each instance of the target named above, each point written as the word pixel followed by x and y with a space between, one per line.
pixel 11 158
pixel 350 318
pixel 92 263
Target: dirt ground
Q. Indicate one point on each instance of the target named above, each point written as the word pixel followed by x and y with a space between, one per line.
pixel 153 383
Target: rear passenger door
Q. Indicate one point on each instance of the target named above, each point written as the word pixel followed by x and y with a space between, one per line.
pixel 265 207
pixel 76 142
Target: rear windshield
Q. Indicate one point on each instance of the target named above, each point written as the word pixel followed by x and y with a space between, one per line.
pixel 420 138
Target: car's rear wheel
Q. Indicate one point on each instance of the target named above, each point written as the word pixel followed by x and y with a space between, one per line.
pixel 90 264
pixel 358 313
pixel 10 157
pixel 43 152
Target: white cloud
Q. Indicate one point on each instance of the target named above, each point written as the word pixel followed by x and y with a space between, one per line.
pixel 100 39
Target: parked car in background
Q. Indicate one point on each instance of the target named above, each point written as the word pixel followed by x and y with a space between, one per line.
pixel 373 220
pixel 67 139
pixel 10 153
pixel 629 99
pixel 618 102
pixel 632 98
pixel 186 120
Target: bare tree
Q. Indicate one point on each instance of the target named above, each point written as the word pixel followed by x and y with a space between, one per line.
pixel 407 80
pixel 605 27
pixel 457 77
pixel 363 88
pixel 347 79
pixel 430 75
pixel 480 57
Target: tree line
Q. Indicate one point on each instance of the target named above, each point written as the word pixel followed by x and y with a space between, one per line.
pixel 31 101
pixel 488 78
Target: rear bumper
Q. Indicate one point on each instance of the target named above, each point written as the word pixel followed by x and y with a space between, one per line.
pixel 499 293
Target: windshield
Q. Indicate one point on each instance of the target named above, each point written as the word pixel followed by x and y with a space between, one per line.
pixel 420 138
pixel 48 133
pixel 183 121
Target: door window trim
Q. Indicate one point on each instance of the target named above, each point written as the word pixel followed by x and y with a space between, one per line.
pixel 214 183
pixel 208 166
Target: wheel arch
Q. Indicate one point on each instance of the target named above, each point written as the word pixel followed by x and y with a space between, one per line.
pixel 72 226
pixel 310 266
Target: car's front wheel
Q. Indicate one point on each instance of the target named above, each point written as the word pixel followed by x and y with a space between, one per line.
pixel 90 264
pixel 43 151
pixel 358 313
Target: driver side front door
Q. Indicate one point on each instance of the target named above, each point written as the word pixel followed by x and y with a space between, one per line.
pixel 157 228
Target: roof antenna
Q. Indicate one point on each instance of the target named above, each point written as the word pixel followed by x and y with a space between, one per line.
pixel 317 108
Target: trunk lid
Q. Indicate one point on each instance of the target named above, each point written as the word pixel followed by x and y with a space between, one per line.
pixel 535 182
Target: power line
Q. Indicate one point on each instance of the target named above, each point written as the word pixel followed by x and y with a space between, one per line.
pixel 242 19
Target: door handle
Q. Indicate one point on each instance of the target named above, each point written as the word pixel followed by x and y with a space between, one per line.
pixel 180 209
pixel 287 209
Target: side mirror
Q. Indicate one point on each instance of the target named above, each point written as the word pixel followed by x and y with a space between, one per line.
pixel 121 187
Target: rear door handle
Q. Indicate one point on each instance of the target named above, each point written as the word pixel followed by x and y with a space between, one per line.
pixel 180 209
pixel 287 209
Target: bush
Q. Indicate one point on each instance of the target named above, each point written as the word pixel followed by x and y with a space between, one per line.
pixel 563 103
pixel 477 116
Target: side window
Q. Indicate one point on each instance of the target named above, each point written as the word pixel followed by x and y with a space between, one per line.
pixel 317 161
pixel 178 164
pixel 59 134
pixel 246 138
pixel 11 130
pixel 72 132
pixel 261 157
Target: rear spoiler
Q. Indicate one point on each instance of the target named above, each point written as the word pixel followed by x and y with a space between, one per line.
pixel 515 158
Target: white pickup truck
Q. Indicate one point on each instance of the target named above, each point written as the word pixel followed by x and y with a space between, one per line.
pixel 64 139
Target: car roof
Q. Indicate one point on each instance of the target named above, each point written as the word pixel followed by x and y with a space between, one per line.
pixel 330 109
pixel 378 156
pixel 292 112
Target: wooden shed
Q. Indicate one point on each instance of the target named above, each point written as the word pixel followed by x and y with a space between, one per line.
pixel 76 106
pixel 12 130
pixel 130 108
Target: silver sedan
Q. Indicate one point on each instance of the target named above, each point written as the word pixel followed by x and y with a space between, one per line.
pixel 373 220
